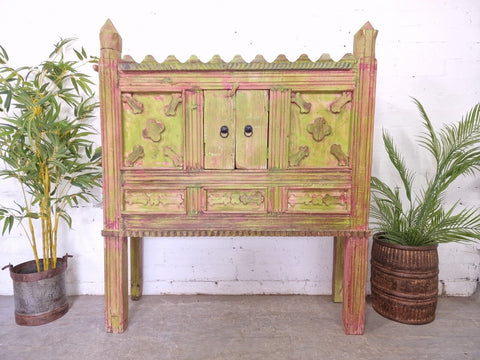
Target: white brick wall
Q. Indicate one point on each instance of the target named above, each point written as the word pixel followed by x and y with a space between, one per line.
pixel 426 49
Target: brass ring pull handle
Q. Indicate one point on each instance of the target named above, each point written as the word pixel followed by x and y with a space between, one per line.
pixel 248 130
pixel 224 132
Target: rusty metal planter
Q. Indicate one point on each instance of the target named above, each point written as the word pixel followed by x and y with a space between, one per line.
pixel 40 297
pixel 404 281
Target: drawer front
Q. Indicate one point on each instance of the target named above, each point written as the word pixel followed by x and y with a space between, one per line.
pixel 161 201
pixel 308 200
pixel 235 200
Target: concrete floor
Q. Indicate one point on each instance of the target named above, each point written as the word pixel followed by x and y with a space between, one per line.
pixel 241 327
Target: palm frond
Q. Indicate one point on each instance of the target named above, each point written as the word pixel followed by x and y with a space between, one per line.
pixel 429 138
pixel 456 151
pixel 398 162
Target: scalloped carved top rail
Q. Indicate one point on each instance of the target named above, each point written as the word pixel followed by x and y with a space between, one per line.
pixel 238 63
pixel 110 39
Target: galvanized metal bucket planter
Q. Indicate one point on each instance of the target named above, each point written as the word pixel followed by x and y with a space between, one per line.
pixel 40 297
pixel 404 281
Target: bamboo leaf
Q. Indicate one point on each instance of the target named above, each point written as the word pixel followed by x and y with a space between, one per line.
pixel 8 101
pixel 74 83
pixel 3 55
pixel 79 55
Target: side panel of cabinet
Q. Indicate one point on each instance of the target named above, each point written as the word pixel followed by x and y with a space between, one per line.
pixel 153 130
pixel 219 146
pixel 251 128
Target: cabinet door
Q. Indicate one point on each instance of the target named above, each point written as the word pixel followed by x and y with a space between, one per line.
pixel 251 129
pixel 219 130
pixel 236 129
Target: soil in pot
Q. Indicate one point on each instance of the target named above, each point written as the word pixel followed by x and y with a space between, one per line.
pixel 40 297
pixel 404 281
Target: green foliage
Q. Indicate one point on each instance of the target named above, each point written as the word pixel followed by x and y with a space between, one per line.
pixel 423 220
pixel 45 143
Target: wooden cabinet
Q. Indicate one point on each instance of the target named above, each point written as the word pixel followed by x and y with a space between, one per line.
pixel 217 148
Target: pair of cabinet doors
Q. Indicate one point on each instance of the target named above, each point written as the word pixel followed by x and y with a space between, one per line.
pixel 239 128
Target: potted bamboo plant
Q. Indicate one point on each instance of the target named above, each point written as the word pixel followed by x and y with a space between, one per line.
pixel 46 148
pixel 408 226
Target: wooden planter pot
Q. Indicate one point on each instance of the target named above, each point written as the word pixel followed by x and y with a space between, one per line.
pixel 40 297
pixel 404 281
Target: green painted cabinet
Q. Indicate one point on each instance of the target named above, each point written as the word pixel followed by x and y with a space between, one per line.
pixel 262 148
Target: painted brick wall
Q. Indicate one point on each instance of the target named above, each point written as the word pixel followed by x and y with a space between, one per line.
pixel 426 49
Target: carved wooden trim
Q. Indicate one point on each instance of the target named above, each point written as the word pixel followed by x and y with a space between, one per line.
pixel 184 233
pixel 280 107
pixel 337 152
pixel 317 200
pixel 177 159
pixel 235 200
pixel 363 110
pixel 319 128
pixel 193 125
pixel 171 109
pixel 259 63
pixel 340 103
pixel 301 103
pixel 302 153
pixel 132 104
pixel 135 155
pixel 162 201
pixel 153 130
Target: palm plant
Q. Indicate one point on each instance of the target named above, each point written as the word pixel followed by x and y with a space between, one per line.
pixel 424 220
pixel 45 144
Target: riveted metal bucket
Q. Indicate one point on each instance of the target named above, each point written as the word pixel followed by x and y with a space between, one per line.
pixel 404 281
pixel 40 297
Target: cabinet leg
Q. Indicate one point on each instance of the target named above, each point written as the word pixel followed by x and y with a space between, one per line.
pixel 116 283
pixel 337 278
pixel 354 283
pixel 136 264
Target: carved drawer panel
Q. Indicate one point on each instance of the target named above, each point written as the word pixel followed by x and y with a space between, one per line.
pixel 307 200
pixel 153 134
pixel 163 201
pixel 235 200
pixel 320 129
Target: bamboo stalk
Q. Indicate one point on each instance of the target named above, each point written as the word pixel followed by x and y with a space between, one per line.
pixel 44 216
pixel 32 239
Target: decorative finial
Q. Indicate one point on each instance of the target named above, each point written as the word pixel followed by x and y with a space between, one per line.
pixel 364 41
pixel 367 26
pixel 109 37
